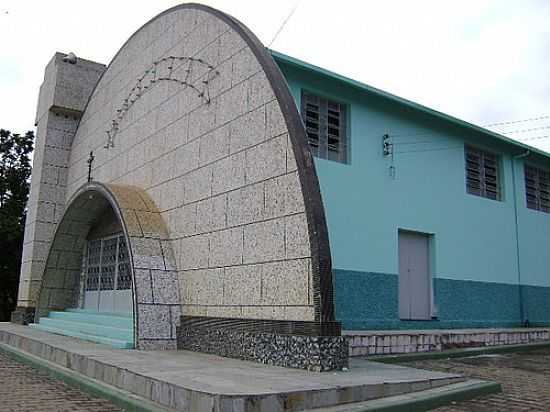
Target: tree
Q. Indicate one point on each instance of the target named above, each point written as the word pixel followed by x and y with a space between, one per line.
pixel 15 173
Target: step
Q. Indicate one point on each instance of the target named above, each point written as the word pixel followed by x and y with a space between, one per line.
pixel 95 312
pixel 116 343
pixel 217 383
pixel 95 318
pixel 89 328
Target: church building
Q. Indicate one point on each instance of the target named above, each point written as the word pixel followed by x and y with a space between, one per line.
pixel 202 192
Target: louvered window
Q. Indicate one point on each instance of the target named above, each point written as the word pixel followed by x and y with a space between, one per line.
pixel 325 123
pixel 482 173
pixel 537 188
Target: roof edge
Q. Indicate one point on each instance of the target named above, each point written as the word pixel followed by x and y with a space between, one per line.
pixel 292 61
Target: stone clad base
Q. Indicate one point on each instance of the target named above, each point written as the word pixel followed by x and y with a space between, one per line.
pixel 250 340
pixel 23 315
pixel 381 342
pixel 313 353
pixel 190 381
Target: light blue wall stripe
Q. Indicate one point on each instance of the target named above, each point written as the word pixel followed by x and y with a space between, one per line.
pixel 474 237
pixel 475 259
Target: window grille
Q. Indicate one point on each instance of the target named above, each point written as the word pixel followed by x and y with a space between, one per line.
pixel 325 123
pixel 93 266
pixel 537 188
pixel 124 279
pixel 482 173
pixel 107 264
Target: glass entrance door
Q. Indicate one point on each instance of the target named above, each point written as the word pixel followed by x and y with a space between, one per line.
pixel 108 284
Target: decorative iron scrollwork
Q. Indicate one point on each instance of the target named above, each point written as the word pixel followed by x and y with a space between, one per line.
pixel 162 71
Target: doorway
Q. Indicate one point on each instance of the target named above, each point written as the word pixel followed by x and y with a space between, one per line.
pixel 108 283
pixel 414 276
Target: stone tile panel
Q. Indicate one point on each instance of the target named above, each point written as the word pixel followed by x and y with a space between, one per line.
pixel 242 285
pixel 286 283
pixel 228 173
pixel 198 184
pixel 296 237
pixel 264 241
pixel 163 290
pixel 266 160
pixel 245 205
pixel 248 130
pixel 194 252
pixel 154 321
pixel 144 287
pixel 226 247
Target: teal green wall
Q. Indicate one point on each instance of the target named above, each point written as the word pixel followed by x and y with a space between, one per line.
pixel 474 240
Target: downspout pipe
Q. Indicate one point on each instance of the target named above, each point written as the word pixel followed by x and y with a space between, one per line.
pixel 524 318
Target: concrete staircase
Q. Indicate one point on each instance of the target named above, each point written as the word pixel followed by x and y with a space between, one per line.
pixel 113 329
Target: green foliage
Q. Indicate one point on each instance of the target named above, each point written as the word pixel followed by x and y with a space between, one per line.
pixel 15 172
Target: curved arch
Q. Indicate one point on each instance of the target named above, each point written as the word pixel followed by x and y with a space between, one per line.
pixel 316 222
pixel 149 255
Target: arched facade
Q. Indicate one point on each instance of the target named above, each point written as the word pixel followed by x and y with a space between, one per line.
pixel 151 262
pixel 193 121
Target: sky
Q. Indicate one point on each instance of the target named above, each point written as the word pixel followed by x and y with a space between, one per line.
pixel 483 61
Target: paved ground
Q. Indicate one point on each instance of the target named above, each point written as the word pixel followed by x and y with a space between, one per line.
pixel 524 376
pixel 25 389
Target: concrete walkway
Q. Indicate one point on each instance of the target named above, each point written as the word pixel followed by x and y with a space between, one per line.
pixel 191 381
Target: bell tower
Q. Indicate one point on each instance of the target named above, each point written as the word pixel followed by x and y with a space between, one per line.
pixel 64 93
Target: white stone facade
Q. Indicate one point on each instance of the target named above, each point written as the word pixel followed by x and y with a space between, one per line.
pixel 189 114
pixel 221 173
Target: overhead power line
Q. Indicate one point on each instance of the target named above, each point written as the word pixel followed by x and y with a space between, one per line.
pixel 535 138
pixel 449 147
pixel 283 25
pixel 526 130
pixel 435 149
pixel 532 119
pixel 402 136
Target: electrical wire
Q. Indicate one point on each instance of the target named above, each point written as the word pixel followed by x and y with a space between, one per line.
pixel 526 130
pixel 402 133
pixel 409 143
pixel 532 119
pixel 454 147
pixel 450 147
pixel 431 150
pixel 403 141
pixel 283 25
pixel 535 138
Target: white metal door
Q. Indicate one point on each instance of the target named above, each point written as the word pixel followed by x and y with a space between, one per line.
pixel 93 267
pixel 123 301
pixel 414 276
pixel 108 279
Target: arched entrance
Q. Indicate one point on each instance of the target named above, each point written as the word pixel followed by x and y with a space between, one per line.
pixel 106 280
pixel 109 257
